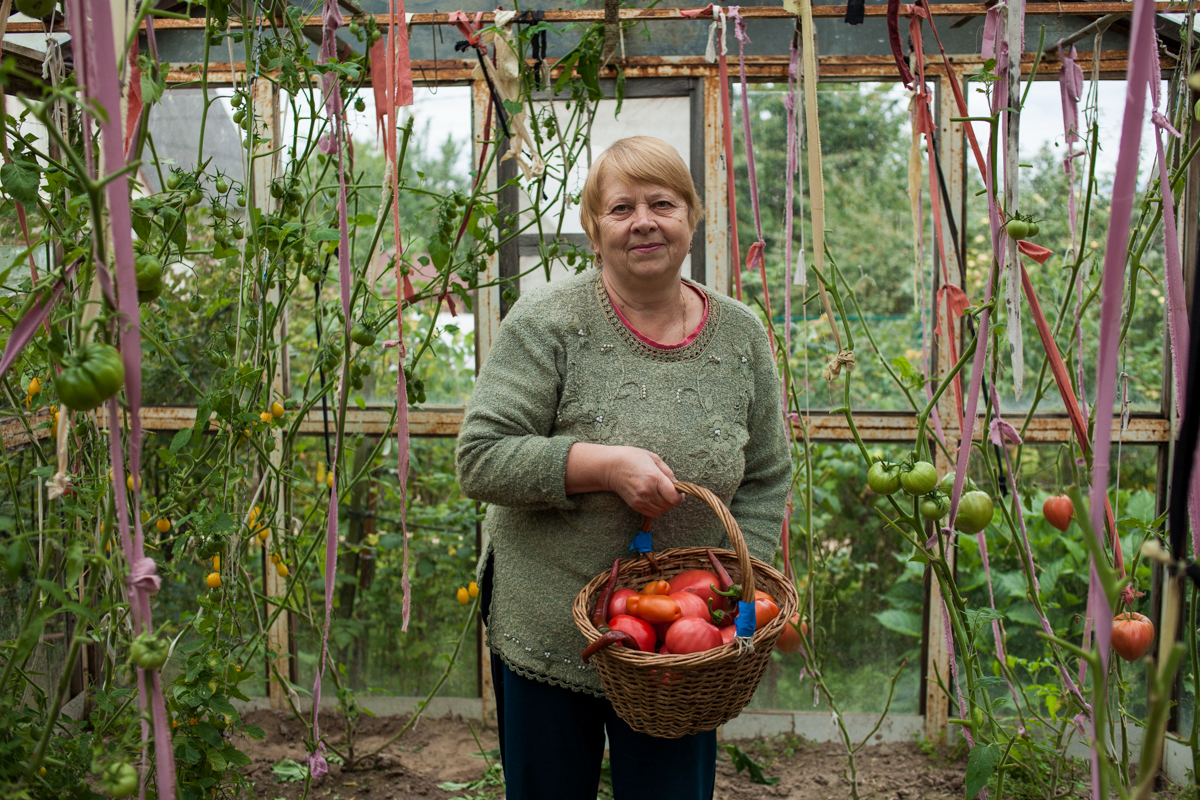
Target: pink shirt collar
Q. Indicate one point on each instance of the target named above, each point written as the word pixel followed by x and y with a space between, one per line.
pixel 647 340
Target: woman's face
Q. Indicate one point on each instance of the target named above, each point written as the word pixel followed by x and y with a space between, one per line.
pixel 643 230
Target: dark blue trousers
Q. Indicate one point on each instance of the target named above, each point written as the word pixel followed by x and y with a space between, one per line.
pixel 552 745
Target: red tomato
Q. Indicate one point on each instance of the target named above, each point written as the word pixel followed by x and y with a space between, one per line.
pixel 1058 511
pixel 701 583
pixel 616 606
pixel 663 651
pixel 691 605
pixel 692 635
pixel 656 587
pixel 765 609
pixel 789 640
pixel 653 608
pixel 727 634
pixel 1132 635
pixel 641 631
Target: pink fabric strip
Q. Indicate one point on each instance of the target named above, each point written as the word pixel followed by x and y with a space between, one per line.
pixel 26 327
pixel 658 345
pixel 331 21
pixel 1139 73
pixel 95 46
pixel 1177 317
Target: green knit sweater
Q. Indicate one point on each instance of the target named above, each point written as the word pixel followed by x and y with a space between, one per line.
pixel 563 369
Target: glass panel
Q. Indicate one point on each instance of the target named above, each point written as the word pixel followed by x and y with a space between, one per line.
pixel 666 118
pixel 869 595
pixel 869 232
pixel 1044 195
pixel 365 639
pixel 1062 572
pixel 436 160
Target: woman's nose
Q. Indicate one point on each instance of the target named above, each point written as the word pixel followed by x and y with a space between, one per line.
pixel 643 220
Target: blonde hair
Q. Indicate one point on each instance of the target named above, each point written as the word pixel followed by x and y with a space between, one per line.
pixel 638 159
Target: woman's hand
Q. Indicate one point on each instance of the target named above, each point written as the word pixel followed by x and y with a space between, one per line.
pixel 639 477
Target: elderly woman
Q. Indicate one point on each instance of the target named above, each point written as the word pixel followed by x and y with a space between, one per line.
pixel 599 392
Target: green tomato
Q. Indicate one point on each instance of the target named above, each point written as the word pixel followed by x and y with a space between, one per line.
pixel 920 479
pixel 92 375
pixel 241 199
pixel 935 505
pixel 974 512
pixel 946 484
pixel 237 230
pixel 218 359
pixel 883 478
pixel 195 303
pixel 173 181
pixel 194 198
pixel 149 272
pixel 119 780
pixel 360 105
pixel 1034 228
pixel 36 8
pixel 356 381
pixel 149 651
pixel 1017 228
pixel 360 334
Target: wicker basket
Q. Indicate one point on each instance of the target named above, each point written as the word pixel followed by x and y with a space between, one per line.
pixel 676 695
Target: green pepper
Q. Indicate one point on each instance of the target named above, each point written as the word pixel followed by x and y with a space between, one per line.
pixel 92 375
pixel 149 651
pixel 119 780
pixel 360 334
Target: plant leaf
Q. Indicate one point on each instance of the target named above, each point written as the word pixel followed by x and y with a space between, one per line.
pixel 980 764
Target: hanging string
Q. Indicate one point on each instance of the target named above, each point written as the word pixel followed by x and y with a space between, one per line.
pixel 816 183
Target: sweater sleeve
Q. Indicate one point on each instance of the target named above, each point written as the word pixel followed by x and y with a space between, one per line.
pixel 760 501
pixel 506 452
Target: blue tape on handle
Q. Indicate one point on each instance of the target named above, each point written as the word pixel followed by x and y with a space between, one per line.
pixel 641 542
pixel 746 619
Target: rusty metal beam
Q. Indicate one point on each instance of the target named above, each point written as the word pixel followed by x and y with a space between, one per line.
pixel 873 427
pixel 453 70
pixel 672 14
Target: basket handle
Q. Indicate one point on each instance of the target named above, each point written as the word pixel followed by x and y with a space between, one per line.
pixel 731 528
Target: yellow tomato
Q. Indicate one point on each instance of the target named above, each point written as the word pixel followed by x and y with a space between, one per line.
pixel 129 482
pixel 265 416
pixel 463 595
pixel 163 525
pixel 263 533
pixel 320 473
pixel 35 386
pixel 276 409
pixel 473 589
pixel 329 479
pixel 282 570
pixel 213 580
pixel 216 563
pixel 275 558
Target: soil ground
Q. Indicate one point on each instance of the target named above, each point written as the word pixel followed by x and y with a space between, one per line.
pixel 444 752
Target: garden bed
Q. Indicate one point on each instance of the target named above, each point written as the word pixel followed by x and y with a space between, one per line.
pixel 444 750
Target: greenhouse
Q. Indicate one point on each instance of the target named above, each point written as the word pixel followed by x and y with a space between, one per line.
pixel 615 400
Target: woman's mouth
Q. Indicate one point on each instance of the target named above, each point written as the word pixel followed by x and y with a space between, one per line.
pixel 648 248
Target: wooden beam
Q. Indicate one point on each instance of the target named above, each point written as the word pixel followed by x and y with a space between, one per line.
pixel 383 21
